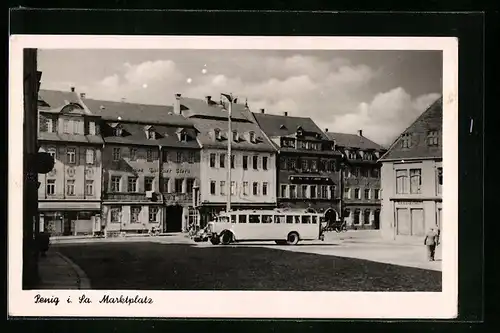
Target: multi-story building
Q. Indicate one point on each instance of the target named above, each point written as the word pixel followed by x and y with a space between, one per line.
pixel 361 179
pixel 308 164
pixel 150 167
pixel 252 162
pixel 69 195
pixel 412 178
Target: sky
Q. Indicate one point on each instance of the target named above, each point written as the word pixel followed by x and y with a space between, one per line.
pixel 378 92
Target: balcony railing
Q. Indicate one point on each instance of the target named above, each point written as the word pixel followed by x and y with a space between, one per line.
pixel 178 198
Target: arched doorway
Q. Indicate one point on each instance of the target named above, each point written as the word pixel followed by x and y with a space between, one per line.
pixel 173 219
pixel 331 216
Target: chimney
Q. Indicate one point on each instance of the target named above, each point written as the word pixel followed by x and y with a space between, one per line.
pixel 207 98
pixel 177 104
pixel 285 113
pixel 360 132
pixel 326 130
pixel 82 95
pixel 72 89
pixel 262 110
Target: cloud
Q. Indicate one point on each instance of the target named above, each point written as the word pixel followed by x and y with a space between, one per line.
pixel 385 117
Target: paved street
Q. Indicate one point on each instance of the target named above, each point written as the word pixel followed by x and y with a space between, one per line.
pixel 176 263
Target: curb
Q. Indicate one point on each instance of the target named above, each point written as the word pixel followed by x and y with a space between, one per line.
pixel 83 280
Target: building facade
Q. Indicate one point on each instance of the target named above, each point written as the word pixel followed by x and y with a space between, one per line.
pixel 70 195
pixel 412 178
pixel 150 168
pixel 252 163
pixel 308 165
pixel 360 187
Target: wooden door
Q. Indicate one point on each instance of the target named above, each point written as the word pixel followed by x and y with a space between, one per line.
pixel 417 222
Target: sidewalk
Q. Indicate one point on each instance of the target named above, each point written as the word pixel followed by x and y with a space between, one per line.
pixel 58 272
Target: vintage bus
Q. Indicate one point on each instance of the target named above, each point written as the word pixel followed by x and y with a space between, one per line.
pixel 282 226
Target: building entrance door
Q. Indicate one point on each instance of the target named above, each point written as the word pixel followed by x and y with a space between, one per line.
pixel 403 226
pixel 417 222
pixel 376 219
pixel 331 216
pixel 173 219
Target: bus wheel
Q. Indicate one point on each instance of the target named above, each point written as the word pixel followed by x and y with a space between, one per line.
pixel 226 237
pixel 293 238
pixel 280 242
pixel 215 240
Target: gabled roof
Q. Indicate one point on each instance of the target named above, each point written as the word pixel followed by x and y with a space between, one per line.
pixel 355 141
pixel 429 120
pixel 54 101
pixel 134 134
pixel 281 126
pixel 134 112
pixel 193 107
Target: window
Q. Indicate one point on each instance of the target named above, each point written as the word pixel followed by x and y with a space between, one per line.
pixel 217 134
pixel 191 157
pixel 323 165
pixel 255 188
pixel 212 160
pixel 439 180
pixel 264 162
pixel 252 136
pixel 50 187
pixel 66 126
pixel 356 172
pixel 245 162
pixel 347 193
pixel 254 218
pixel 405 140
pixel 304 165
pixel 149 155
pixel 89 187
pixel 133 154
pixel 267 219
pixel 283 163
pixel 180 157
pixel 222 160
pixel 178 185
pixel 415 180
pixel 375 173
pixel 118 131
pixel 312 191
pixel 433 138
pixel 289 219
pixel 401 180
pixel 92 129
pixel 293 191
pixel 71 154
pixel 324 192
pixel 314 165
pixel 304 191
pixel 264 188
pixel 89 156
pixel 235 136
pixel 255 162
pixel 115 183
pixel 189 185
pixel 366 219
pixel 356 216
pixel 367 193
pixel 70 187
pixel 233 188
pixel 165 156
pixel 333 189
pixel 52 152
pixel 222 188
pixel 132 184
pixel 232 161
pixel 357 194
pixel 116 154
pixel 212 187
pixel 292 163
pixel 153 214
pixel 148 183
pixel 283 191
pixel 333 165
pixel 245 188
pixel 78 126
pixel 116 214
pixel 376 194
pixel 364 172
pixel 242 219
pixel 151 134
pixel 165 184
pixel 306 219
pixel 135 213
pixel 233 218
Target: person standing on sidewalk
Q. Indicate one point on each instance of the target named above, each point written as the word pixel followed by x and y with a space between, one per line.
pixel 431 241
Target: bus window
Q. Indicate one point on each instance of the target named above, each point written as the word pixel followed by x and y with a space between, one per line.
pixel 267 219
pixel 289 219
pixel 254 219
pixel 223 219
pixel 233 218
pixel 297 219
pixel 279 219
pixel 314 219
pixel 242 219
pixel 306 219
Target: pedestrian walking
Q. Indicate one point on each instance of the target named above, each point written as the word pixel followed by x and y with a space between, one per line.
pixel 431 241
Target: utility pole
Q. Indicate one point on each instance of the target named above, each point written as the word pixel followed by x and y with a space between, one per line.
pixel 229 159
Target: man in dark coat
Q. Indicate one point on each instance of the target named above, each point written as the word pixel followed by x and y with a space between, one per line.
pixel 431 241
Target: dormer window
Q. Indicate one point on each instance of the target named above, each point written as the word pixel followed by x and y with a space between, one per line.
pixel 217 134
pixel 433 138
pixel 252 136
pixel 300 132
pixel 150 132
pixel 182 135
pixel 406 140
pixel 117 129
pixel 283 127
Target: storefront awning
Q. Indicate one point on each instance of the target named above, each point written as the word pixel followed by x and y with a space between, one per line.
pixel 69 205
